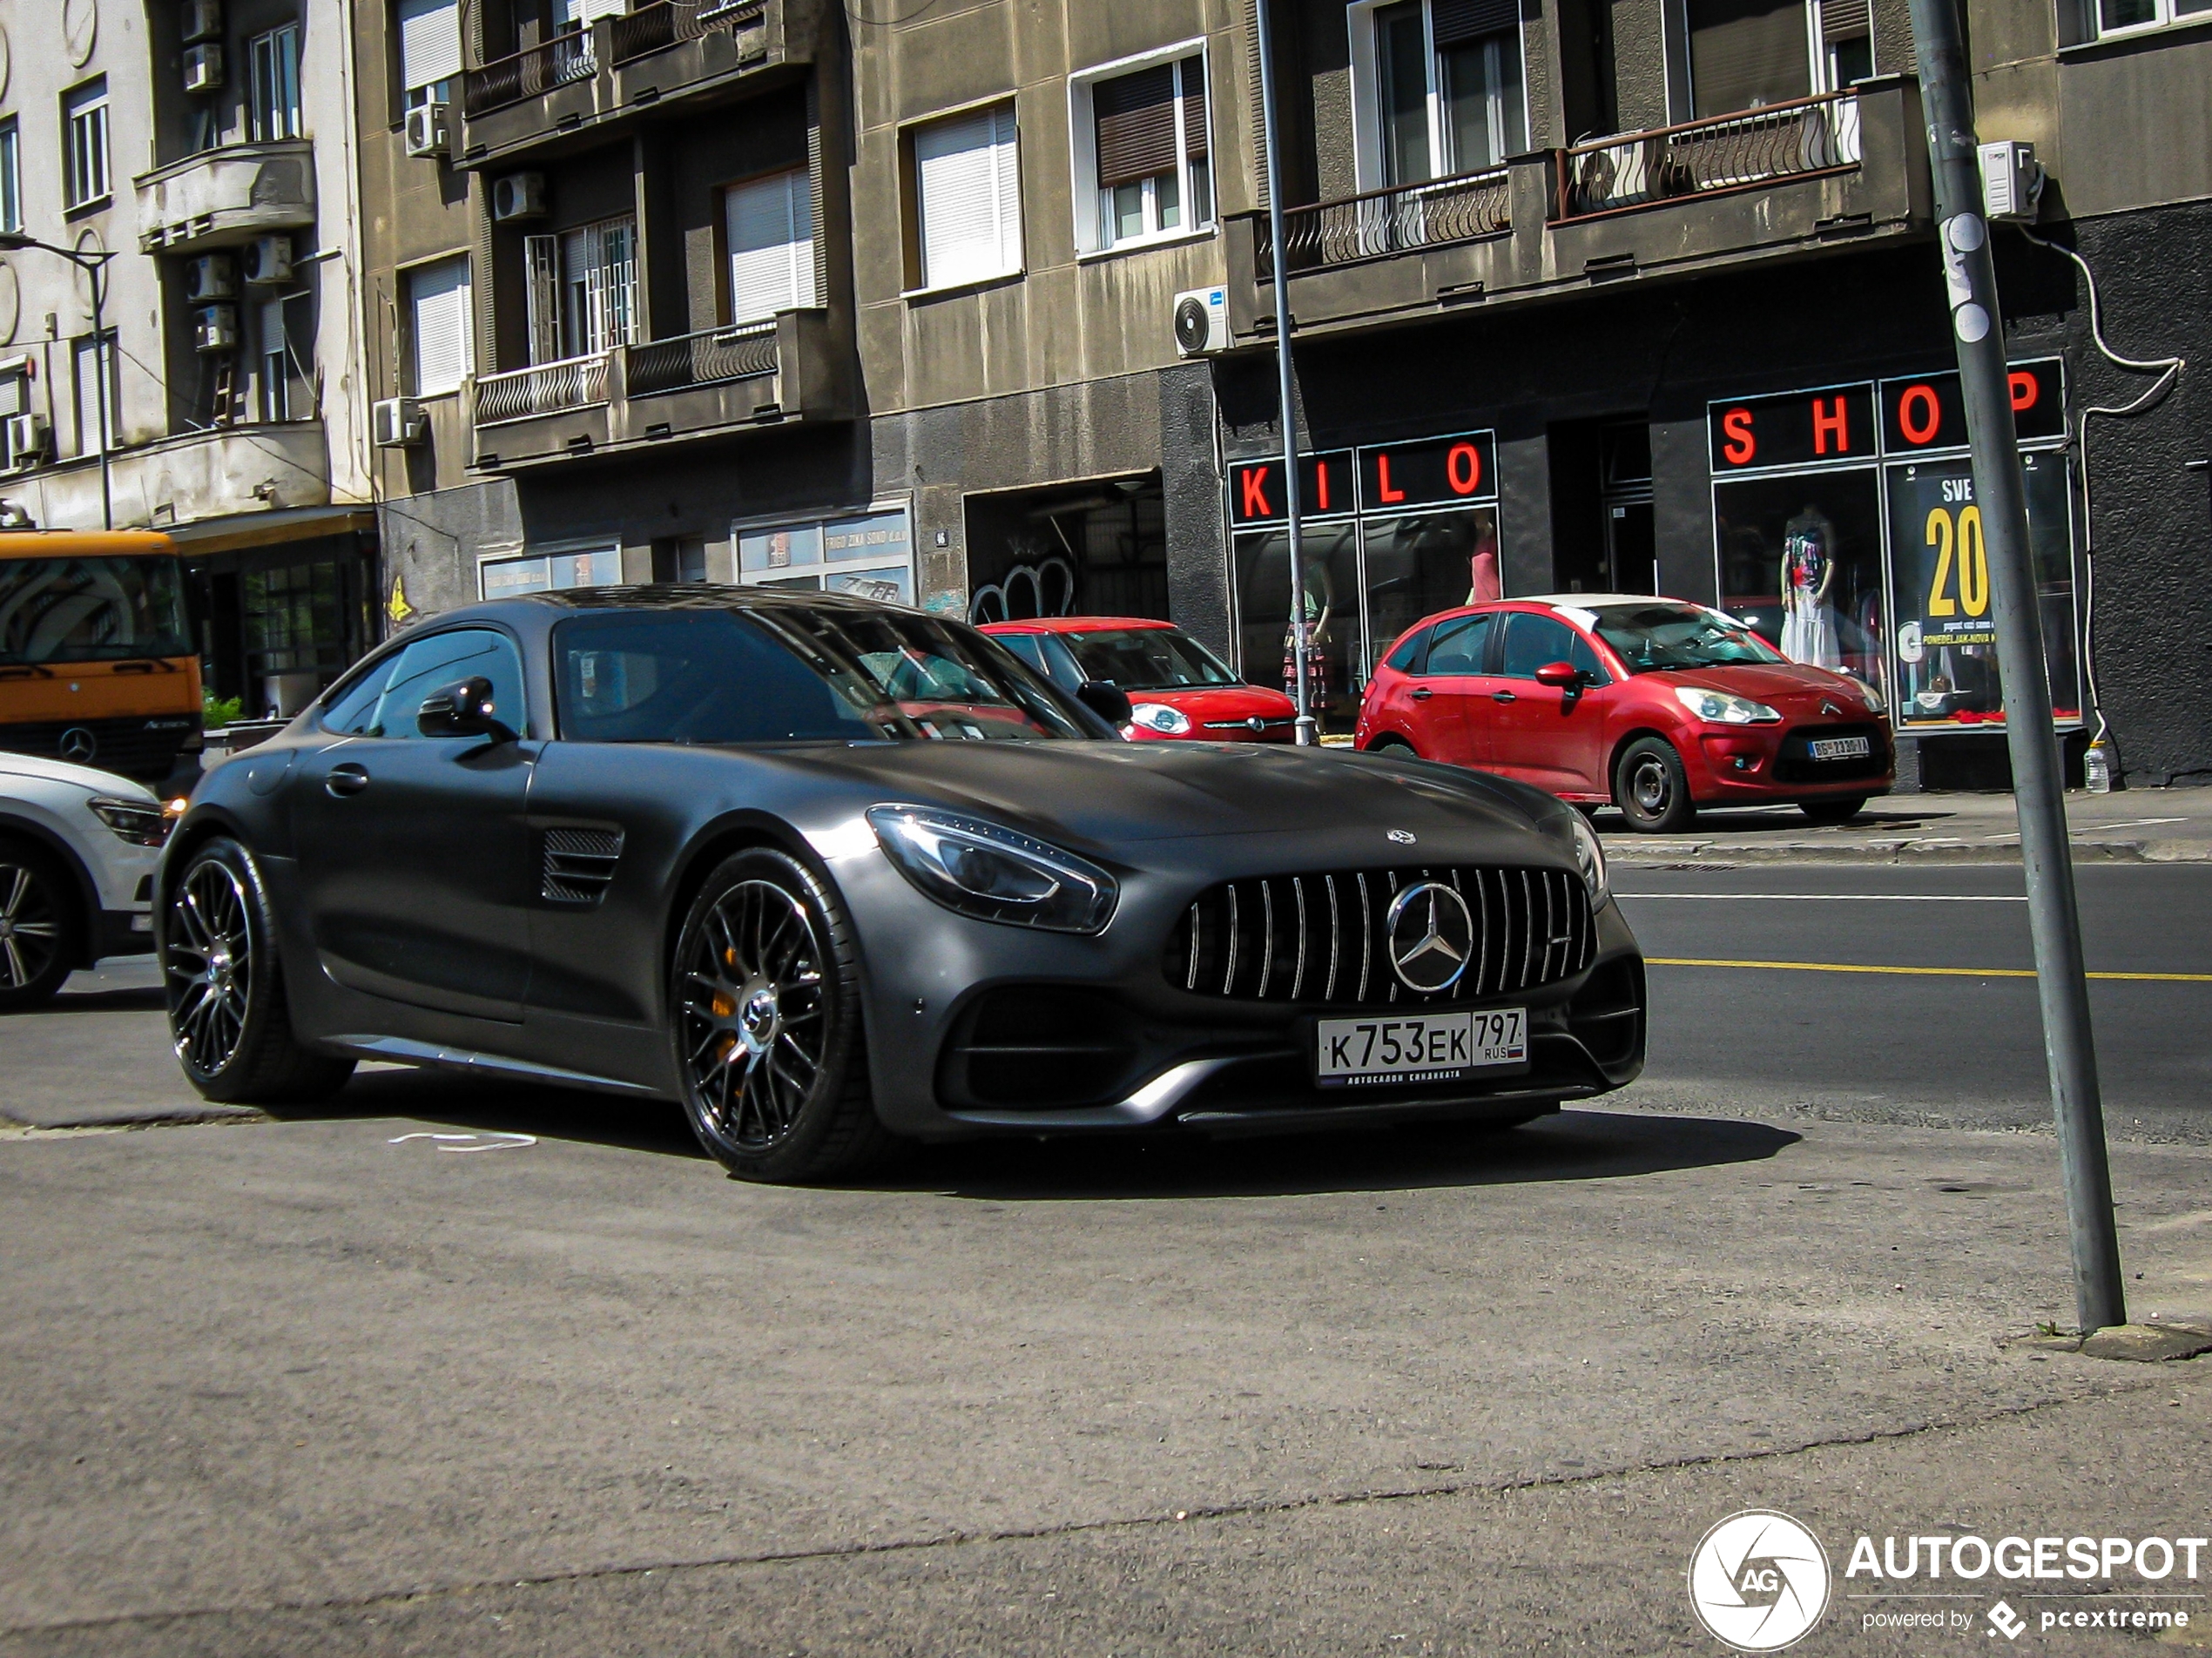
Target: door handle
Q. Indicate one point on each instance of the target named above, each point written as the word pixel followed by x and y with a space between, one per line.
pixel 346 780
pixel 1503 696
pixel 1421 694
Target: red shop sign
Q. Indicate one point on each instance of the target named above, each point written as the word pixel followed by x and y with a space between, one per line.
pixel 1796 429
pixel 1429 472
pixel 1257 495
pixel 1925 412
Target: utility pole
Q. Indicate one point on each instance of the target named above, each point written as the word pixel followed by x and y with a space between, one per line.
pixel 1280 258
pixel 1978 330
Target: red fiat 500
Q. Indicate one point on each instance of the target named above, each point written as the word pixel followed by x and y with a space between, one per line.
pixel 1654 704
pixel 1176 687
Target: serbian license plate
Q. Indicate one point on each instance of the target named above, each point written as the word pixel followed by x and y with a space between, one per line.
pixel 1419 1048
pixel 1839 748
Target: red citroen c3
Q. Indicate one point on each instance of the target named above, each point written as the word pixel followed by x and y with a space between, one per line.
pixel 1177 689
pixel 1655 705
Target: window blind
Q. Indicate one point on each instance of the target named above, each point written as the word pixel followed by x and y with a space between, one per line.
pixel 439 300
pixel 1194 125
pixel 968 182
pixel 1844 20
pixel 770 223
pixel 430 42
pixel 1135 115
pixel 1747 53
pixel 1454 22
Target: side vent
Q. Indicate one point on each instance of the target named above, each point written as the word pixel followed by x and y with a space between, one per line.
pixel 579 863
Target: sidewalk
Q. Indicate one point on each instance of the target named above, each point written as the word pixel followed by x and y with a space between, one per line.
pixel 2135 826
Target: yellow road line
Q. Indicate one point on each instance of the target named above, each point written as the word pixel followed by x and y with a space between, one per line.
pixel 1945 973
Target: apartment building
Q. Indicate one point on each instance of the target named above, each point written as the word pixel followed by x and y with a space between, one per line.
pixel 198 153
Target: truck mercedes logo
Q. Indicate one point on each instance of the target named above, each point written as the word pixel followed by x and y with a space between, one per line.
pixel 80 745
pixel 1430 936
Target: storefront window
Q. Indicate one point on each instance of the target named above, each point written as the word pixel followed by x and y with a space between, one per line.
pixel 1329 612
pixel 1947 633
pixel 1418 565
pixel 1801 564
pixel 548 572
pixel 870 555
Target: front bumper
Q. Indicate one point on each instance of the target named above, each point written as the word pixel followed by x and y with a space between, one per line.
pixel 1747 764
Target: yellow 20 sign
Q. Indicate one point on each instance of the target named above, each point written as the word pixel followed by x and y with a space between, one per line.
pixel 1965 535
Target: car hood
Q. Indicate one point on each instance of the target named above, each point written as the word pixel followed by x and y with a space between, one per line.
pixel 1792 687
pixel 1222 702
pixel 1108 793
pixel 38 768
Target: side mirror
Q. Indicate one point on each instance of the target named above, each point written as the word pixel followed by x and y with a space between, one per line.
pixel 1561 676
pixel 1106 699
pixel 463 709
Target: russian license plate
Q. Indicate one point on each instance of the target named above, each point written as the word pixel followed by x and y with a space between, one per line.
pixel 1419 1048
pixel 1839 748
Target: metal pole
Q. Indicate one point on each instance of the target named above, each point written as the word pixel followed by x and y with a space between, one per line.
pixel 2000 492
pixel 97 269
pixel 1277 258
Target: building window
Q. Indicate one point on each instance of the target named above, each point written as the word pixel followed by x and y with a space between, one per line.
pixel 1746 54
pixel 966 190
pixel 84 179
pixel 274 61
pixel 583 290
pixel 11 177
pixel 1146 165
pixel 429 50
pixel 770 225
pixel 2126 17
pixel 95 425
pixel 1438 85
pixel 287 353
pixel 870 553
pixel 1846 32
pixel 600 566
pixel 439 300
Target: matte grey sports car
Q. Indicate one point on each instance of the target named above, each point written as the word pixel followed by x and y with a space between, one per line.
pixel 830 872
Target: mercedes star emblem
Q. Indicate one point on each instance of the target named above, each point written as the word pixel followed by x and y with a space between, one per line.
pixel 1430 936
pixel 80 745
pixel 1402 837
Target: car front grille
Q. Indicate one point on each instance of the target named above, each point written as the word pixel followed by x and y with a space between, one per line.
pixel 1795 764
pixel 1319 938
pixel 143 746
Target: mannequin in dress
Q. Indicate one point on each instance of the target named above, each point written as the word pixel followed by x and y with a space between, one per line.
pixel 1317 599
pixel 1807 573
pixel 1482 569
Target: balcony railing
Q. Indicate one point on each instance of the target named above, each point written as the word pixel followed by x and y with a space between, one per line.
pixel 701 359
pixel 543 388
pixel 1389 221
pixel 665 22
pixel 527 74
pixel 1794 140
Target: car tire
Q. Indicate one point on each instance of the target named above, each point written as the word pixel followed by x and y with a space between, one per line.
pixel 228 1017
pixel 1836 811
pixel 1652 789
pixel 764 1015
pixel 41 926
pixel 1394 745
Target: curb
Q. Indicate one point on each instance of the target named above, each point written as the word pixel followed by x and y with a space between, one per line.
pixel 1645 854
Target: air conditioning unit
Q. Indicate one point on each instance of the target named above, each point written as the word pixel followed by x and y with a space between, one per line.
pixel 29 441
pixel 269 260
pixel 210 277
pixel 519 195
pixel 204 67
pixel 429 130
pixel 2012 180
pixel 203 19
pixel 215 329
pixel 1202 322
pixel 399 422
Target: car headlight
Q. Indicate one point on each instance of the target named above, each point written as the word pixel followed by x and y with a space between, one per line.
pixel 142 823
pixel 993 873
pixel 1589 856
pixel 1724 709
pixel 1865 688
pixel 1158 717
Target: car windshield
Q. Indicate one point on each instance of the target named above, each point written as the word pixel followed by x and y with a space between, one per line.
pixel 1147 659
pixel 1652 638
pixel 90 609
pixel 794 675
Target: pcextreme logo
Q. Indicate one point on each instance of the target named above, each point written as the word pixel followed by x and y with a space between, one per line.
pixel 1759 1580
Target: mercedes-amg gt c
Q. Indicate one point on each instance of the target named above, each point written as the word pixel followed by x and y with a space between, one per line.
pixel 831 873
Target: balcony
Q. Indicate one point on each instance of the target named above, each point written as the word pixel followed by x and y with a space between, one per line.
pixel 1791 178
pixel 569 91
pixel 716 382
pixel 223 197
pixel 256 467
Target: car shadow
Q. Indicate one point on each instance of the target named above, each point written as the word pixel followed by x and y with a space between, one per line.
pixel 138 1000
pixel 1585 1144
pixel 1771 819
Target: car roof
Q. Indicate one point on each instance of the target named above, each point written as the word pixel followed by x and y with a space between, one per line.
pixel 1076 623
pixel 534 612
pixel 1591 601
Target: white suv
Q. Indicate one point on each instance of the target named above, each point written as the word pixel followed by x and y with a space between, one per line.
pixel 77 853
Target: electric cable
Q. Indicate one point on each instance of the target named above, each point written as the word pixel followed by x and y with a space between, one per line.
pixel 2168 370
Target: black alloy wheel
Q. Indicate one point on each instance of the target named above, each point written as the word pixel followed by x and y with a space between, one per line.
pixel 228 1022
pixel 41 926
pixel 1651 788
pixel 1841 809
pixel 765 992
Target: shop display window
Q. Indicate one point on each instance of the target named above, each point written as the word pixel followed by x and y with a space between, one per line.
pixel 1946 630
pixel 1330 613
pixel 1422 563
pixel 1801 565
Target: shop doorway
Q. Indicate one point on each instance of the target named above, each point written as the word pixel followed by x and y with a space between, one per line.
pixel 1602 536
pixel 1624 493
pixel 1098 548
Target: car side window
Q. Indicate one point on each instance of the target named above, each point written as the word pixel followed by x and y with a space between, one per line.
pixel 429 664
pixel 1532 641
pixel 1409 653
pixel 1457 646
pixel 352 710
pixel 1584 656
pixel 1026 646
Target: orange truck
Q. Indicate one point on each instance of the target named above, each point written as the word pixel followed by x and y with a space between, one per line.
pixel 97 663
